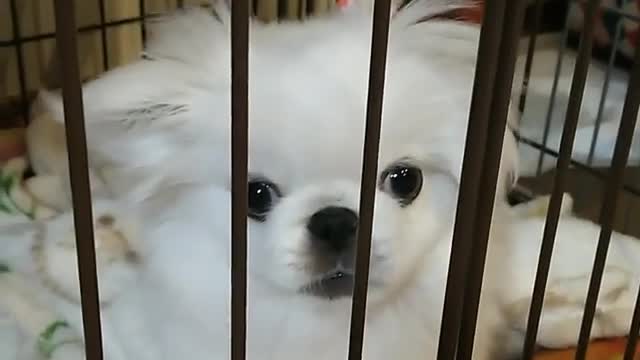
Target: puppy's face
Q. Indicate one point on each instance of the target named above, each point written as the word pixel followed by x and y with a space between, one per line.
pixel 306 146
pixel 308 89
pixel 304 227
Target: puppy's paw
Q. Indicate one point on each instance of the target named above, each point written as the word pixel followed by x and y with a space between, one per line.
pixel 116 246
pixel 49 193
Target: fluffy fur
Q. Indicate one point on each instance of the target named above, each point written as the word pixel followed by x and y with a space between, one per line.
pixel 176 100
pixel 166 121
pixel 569 276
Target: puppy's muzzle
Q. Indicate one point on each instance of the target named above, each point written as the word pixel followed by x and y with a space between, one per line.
pixel 333 229
pixel 332 233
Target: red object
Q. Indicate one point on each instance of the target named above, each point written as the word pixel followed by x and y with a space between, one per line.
pixel 605 349
pixel 12 144
pixel 473 14
pixel 342 3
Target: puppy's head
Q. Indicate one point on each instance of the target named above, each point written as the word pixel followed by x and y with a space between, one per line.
pixel 308 86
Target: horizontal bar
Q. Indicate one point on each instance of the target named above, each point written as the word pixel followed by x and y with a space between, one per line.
pixel 83 29
pixel 578 165
pixel 375 96
pixel 65 19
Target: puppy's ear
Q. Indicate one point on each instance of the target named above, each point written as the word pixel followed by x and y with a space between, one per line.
pixel 194 36
pixel 183 49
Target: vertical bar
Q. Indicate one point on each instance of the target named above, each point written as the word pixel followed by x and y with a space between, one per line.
pixel 142 6
pixel 293 11
pixel 304 5
pixel 65 18
pixel 612 193
pixel 501 99
pixel 267 10
pixel 240 10
pixel 377 72
pixel 560 179
pixel 17 39
pixel 469 183
pixel 554 92
pixel 605 91
pixel 180 4
pixel 537 19
pixel 103 34
pixel 632 339
pixel 627 216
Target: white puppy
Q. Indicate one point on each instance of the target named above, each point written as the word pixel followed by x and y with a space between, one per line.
pixel 307 109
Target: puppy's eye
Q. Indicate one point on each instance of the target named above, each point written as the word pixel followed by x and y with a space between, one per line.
pixel 403 182
pixel 262 196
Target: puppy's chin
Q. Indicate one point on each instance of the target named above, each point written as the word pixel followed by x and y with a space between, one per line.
pixel 333 285
pixel 337 284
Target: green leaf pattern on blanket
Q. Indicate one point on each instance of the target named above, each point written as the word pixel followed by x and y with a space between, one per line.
pixel 56 334
pixel 10 180
pixel 46 341
pixel 7 181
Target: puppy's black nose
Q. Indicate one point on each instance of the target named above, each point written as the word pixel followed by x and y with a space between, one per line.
pixel 334 227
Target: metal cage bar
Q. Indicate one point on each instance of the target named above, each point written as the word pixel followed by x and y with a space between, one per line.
pixel 379 41
pixel 83 29
pixel 104 42
pixel 501 98
pixel 600 175
pixel 78 169
pixel 612 193
pixel 477 128
pixel 554 92
pixel 20 59
pixel 632 340
pixel 605 91
pixel 142 6
pixel 240 12
pixel 531 47
pixel 560 180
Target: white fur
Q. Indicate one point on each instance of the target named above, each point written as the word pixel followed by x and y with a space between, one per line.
pixel 569 276
pixel 166 121
pixel 176 99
